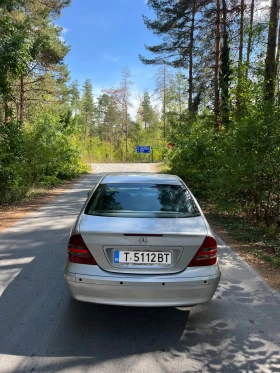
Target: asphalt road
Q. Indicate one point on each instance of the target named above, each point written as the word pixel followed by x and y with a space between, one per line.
pixel 43 330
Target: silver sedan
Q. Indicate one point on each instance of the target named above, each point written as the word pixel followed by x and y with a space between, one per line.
pixel 142 240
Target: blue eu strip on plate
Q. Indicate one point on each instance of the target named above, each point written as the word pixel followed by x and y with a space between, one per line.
pixel 116 257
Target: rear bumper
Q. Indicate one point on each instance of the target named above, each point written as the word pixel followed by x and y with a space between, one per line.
pixel 143 290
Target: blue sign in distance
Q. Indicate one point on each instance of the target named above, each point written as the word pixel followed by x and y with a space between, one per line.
pixel 143 149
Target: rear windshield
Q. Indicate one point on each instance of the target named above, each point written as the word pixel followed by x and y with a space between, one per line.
pixel 142 200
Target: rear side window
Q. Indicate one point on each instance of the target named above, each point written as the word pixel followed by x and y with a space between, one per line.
pixel 142 200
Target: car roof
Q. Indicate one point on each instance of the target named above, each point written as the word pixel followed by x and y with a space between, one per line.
pixel 139 177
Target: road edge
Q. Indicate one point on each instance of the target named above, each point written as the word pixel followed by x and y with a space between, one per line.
pixel 248 265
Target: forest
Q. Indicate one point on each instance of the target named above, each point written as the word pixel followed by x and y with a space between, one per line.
pixel 50 126
pixel 216 99
pixel 227 139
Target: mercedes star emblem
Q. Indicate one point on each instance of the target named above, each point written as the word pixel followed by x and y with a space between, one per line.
pixel 143 240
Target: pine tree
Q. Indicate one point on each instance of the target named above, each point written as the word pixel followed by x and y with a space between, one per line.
pixel 87 110
pixel 31 51
pixel 178 93
pixel 162 78
pixel 179 24
pixel 225 69
pixel 124 97
pixel 217 66
pixel 147 110
pixel 75 97
pixel 270 62
pixel 250 35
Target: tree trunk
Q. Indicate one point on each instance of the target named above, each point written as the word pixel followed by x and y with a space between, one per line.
pixel 249 47
pixel 270 62
pixel 126 128
pixel 217 67
pixel 241 40
pixel 224 21
pixel 240 58
pixel 277 57
pixel 225 70
pixel 6 111
pixel 111 141
pixel 21 102
pixel 6 105
pixel 191 58
pixel 161 91
pixel 180 98
pixel 124 91
pixel 164 102
pixel 85 138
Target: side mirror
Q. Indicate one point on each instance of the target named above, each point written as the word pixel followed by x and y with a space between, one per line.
pixel 88 193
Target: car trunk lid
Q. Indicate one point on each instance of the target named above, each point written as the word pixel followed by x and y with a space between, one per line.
pixel 181 237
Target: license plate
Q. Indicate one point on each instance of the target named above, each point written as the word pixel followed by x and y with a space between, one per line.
pixel 142 257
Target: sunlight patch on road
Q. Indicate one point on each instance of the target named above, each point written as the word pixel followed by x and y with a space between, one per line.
pixel 10 269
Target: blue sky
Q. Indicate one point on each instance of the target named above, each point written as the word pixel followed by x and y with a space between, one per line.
pixel 105 36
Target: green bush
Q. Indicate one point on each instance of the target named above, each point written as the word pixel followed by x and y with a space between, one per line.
pixel 50 151
pixel 38 153
pixel 238 168
pixel 12 184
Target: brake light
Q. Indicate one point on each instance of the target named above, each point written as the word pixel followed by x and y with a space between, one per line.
pixel 78 251
pixel 207 253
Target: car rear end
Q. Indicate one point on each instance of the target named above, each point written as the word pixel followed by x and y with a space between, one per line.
pixel 135 245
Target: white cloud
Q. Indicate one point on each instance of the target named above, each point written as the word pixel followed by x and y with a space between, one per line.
pixel 63 32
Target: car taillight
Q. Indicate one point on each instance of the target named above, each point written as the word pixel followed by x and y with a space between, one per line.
pixel 207 253
pixel 78 251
